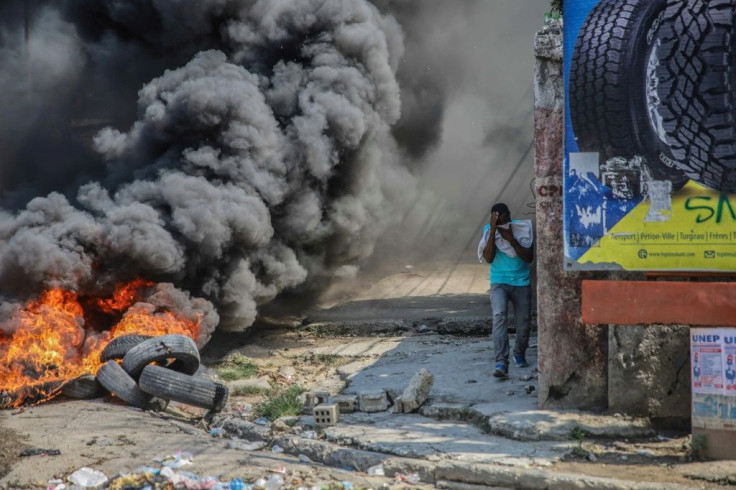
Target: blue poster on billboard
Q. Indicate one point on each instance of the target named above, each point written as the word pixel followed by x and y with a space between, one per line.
pixel 650 134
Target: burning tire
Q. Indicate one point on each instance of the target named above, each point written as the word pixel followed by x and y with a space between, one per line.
pixel 172 385
pixel 119 346
pixel 178 347
pixel 83 388
pixel 607 86
pixel 693 89
pixel 119 383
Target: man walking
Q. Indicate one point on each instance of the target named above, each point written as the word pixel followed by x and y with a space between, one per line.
pixel 508 246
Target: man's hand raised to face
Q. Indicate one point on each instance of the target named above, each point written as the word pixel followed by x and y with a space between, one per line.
pixel 494 221
pixel 507 234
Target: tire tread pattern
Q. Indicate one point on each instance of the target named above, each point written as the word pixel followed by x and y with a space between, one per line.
pixel 696 89
pixel 180 387
pixel 179 347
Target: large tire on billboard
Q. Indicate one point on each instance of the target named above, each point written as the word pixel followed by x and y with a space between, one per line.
pixel 607 86
pixel 692 93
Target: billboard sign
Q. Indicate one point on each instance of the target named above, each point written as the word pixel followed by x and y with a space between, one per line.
pixel 650 135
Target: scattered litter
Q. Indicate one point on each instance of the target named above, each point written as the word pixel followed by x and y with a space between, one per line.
pixel 411 478
pixel 55 484
pixel 276 449
pixel 37 451
pixel 167 477
pixel 87 478
pixel 274 482
pixel 218 432
pixel 663 438
pixel 591 457
pixel 510 392
pixel 246 446
pixel 309 434
pixel 236 484
pixel 176 460
pixel 304 458
pixel 529 389
pixel 423 329
pixel 645 452
pixel 261 421
pixel 376 470
pixel 527 377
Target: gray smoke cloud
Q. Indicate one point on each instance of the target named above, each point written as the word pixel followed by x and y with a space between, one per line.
pixel 260 157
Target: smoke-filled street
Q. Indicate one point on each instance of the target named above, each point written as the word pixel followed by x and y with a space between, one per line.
pixel 238 149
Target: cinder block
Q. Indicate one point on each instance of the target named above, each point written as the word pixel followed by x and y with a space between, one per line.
pixel 374 401
pixel 346 403
pixel 326 414
pixel 314 398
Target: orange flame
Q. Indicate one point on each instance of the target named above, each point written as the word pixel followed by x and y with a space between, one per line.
pixel 53 339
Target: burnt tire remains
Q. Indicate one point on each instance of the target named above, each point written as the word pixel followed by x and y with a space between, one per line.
pixel 178 347
pixel 192 390
pixel 84 387
pixel 607 86
pixel 114 378
pixel 693 93
pixel 119 346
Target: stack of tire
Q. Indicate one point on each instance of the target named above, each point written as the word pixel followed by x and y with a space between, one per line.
pixel 153 371
pixel 657 78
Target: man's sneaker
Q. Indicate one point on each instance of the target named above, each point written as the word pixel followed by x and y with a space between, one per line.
pixel 501 371
pixel 520 362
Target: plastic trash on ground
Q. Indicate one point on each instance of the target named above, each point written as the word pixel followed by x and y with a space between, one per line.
pixel 309 434
pixel 376 470
pixel 218 432
pixel 276 449
pixel 177 460
pixel 274 482
pixel 87 478
pixel 410 478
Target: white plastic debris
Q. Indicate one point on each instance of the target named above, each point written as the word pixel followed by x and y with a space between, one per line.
pixel 55 484
pixel 309 434
pixel 176 460
pixel 274 482
pixel 276 449
pixel 87 478
pixel 304 458
pixel 376 470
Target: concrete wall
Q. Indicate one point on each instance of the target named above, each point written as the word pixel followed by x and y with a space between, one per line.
pixel 634 370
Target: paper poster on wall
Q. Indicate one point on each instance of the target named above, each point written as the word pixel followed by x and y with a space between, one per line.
pixel 729 357
pixel 712 353
pixel 650 146
pixel 706 361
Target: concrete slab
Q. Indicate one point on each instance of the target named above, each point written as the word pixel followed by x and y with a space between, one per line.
pixel 461 367
pixel 414 436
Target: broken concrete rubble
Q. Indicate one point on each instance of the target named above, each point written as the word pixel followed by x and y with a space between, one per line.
pixel 416 393
pixel 372 401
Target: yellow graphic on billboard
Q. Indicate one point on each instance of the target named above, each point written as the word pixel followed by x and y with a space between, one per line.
pixel 699 233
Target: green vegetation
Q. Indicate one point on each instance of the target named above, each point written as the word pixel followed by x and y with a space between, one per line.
pixel 323 330
pixel 248 391
pixel 325 359
pixel 237 367
pixel 282 404
pixel 698 445
pixel 578 434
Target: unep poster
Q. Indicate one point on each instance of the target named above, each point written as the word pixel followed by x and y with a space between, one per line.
pixel 650 135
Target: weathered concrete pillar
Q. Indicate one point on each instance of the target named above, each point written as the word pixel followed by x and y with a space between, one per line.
pixel 572 356
pixel 649 372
